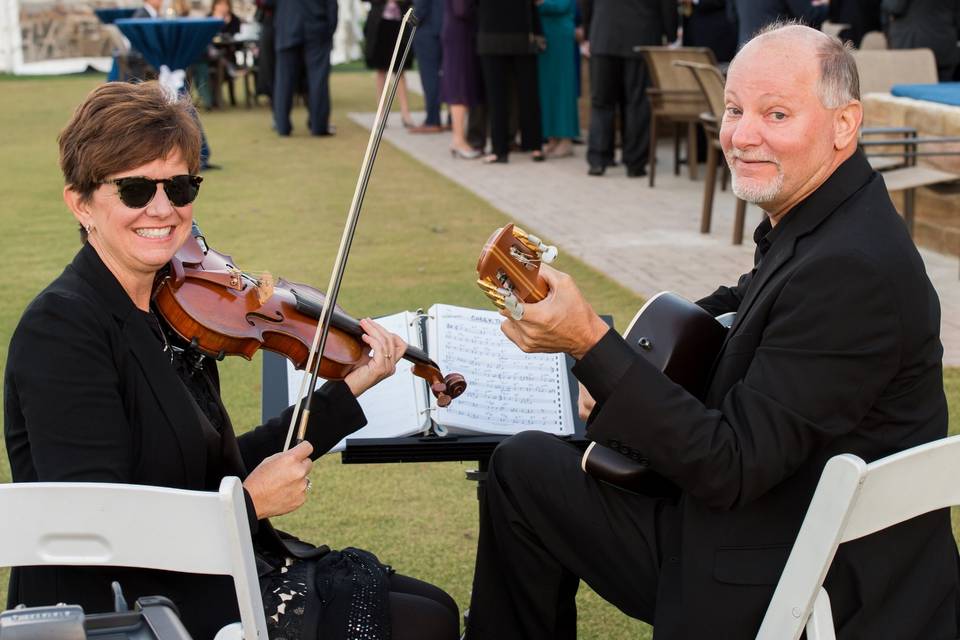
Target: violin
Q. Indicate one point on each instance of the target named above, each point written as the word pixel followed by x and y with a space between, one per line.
pixel 221 310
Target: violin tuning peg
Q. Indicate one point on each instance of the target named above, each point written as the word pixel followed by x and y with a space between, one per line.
pixel 438 388
pixel 443 400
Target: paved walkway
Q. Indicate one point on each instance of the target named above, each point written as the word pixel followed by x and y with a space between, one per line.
pixel 646 239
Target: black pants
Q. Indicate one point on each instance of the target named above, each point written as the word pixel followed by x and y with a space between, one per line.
pixel 421 611
pixel 544 526
pixel 429 54
pixel 315 54
pixel 618 82
pixel 267 59
pixel 498 73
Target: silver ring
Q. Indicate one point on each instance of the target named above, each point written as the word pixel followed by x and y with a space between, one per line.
pixel 309 484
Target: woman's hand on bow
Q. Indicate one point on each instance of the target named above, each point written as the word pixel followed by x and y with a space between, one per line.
pixel 278 485
pixel 387 350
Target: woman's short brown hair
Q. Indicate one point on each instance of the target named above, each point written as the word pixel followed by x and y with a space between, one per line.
pixel 121 126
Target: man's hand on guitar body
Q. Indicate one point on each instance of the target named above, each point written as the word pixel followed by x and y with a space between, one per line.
pixel 562 322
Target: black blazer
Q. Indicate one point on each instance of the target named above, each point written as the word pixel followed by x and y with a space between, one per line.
pixel 925 24
pixel 835 349
pixel 753 15
pixel 90 396
pixel 507 27
pixel 621 27
pixel 296 21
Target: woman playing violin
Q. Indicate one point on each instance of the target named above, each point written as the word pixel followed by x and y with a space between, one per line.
pixel 96 390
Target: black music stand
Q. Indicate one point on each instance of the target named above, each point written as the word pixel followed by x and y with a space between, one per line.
pixel 451 448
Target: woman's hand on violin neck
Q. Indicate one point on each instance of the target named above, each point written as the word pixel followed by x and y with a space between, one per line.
pixel 279 483
pixel 387 349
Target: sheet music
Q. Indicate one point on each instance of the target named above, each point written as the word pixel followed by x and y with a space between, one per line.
pixel 396 406
pixel 507 390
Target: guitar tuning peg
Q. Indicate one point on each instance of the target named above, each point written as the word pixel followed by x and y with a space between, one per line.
pixel 548 252
pixel 514 306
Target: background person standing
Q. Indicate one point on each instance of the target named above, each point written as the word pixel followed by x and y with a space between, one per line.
pixel 616 30
pixel 303 35
pixel 426 46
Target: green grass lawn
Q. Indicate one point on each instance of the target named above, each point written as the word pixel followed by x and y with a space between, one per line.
pixel 279 205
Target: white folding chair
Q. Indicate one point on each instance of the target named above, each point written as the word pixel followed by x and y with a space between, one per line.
pixel 94 524
pixel 854 499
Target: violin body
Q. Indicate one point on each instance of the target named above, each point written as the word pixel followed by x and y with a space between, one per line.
pixel 220 310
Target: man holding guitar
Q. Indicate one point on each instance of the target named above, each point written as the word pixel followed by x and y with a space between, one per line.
pixel 835 348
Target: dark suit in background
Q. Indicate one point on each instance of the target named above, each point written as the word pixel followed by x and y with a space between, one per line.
pixel 835 349
pixel 709 25
pixel 927 24
pixel 426 46
pixel 506 31
pixel 303 35
pixel 753 15
pixel 616 29
pixel 861 16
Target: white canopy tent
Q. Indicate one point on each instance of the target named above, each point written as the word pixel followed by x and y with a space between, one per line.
pixel 11 52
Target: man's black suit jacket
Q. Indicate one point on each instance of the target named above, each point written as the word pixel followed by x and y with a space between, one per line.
pixel 90 396
pixel 296 21
pixel 753 15
pixel 621 27
pixel 835 349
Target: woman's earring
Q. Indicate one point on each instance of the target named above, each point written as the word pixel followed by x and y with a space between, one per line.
pixel 89 227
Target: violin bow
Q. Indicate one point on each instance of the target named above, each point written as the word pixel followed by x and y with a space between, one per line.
pixel 299 418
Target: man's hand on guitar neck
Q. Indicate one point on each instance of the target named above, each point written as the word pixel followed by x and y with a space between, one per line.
pixel 562 322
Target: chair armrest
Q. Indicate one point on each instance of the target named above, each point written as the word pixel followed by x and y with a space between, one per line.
pixel 909 141
pixel 869 131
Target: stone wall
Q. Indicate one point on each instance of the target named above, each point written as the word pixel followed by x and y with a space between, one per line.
pixel 937 208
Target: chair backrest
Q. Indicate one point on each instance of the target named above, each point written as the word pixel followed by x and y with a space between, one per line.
pixel 673 87
pixel 880 69
pixel 873 40
pixel 854 499
pixel 710 80
pixel 95 524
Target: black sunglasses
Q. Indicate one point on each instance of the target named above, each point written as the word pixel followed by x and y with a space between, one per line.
pixel 136 191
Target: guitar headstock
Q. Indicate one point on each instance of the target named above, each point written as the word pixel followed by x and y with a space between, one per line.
pixel 509 266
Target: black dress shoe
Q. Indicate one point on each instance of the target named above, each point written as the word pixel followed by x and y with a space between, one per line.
pixel 596 170
pixel 331 131
pixel 636 172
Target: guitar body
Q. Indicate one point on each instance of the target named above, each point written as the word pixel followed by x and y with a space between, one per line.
pixel 681 340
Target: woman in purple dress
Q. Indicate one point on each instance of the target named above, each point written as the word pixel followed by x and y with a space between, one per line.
pixel 460 83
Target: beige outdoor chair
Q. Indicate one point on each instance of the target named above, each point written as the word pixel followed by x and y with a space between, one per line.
pixel 710 81
pixel 676 99
pixel 880 69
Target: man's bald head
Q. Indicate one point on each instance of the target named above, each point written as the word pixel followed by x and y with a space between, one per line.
pixel 794 43
pixel 791 115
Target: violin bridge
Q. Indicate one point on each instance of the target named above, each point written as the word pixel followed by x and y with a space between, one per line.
pixel 265 286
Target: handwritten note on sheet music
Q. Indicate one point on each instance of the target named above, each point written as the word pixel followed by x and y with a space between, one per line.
pixel 507 390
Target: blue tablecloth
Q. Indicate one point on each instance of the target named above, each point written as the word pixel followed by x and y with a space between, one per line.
pixel 109 16
pixel 176 43
pixel 943 92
